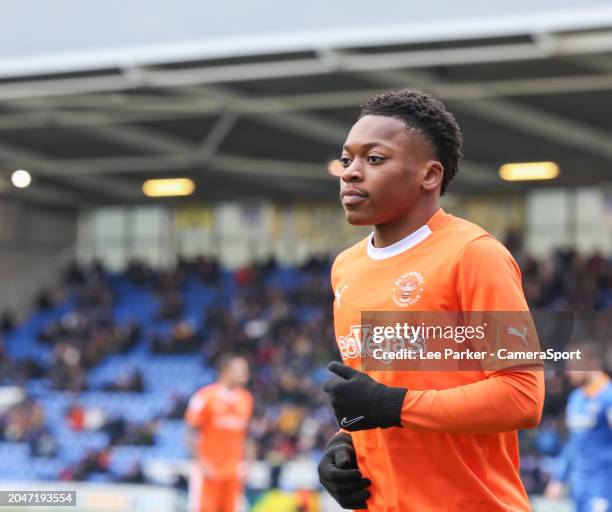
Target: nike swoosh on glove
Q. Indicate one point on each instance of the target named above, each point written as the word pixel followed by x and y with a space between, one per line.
pixel 339 474
pixel 361 403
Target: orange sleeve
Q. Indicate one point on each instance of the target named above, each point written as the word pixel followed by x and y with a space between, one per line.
pixel 197 410
pixel 486 279
pixel 250 404
pixel 507 400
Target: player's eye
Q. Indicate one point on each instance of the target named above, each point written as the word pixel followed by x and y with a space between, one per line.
pixel 375 159
pixel 344 161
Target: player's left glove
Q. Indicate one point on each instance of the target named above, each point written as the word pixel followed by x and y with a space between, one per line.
pixel 361 403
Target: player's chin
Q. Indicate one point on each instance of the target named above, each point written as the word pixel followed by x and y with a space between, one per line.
pixel 358 218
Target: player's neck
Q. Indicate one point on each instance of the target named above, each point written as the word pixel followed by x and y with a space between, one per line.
pixel 390 232
pixel 229 386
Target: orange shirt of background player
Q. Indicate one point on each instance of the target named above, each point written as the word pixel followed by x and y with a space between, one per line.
pixel 221 417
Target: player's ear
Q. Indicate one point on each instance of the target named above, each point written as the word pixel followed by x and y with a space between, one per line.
pixel 434 172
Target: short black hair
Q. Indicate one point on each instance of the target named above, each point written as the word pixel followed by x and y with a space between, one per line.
pixel 428 115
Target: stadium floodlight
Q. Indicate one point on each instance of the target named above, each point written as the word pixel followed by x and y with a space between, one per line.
pixel 526 171
pixel 168 187
pixel 21 178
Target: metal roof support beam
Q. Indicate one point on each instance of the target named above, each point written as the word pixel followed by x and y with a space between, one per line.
pixel 147 140
pixel 217 135
pixel 335 133
pixel 506 112
pixel 189 106
pixel 140 138
pixel 544 45
pixel 74 168
pixel 299 122
pixel 44 194
pixel 40 164
pixel 545 125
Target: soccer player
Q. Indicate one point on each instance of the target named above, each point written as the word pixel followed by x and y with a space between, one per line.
pixel 586 461
pixel 218 416
pixel 420 441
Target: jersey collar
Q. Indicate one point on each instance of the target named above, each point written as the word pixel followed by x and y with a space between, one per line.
pixel 414 238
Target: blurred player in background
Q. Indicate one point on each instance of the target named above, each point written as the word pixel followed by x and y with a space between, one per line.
pixel 586 461
pixel 420 441
pixel 218 416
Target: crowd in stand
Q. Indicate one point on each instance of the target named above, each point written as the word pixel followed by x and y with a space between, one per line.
pixel 567 280
pixel 287 334
pixel 25 422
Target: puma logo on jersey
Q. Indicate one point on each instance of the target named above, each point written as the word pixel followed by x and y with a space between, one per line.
pixel 338 293
pixel 513 331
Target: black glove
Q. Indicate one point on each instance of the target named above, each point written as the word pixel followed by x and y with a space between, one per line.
pixel 339 474
pixel 361 403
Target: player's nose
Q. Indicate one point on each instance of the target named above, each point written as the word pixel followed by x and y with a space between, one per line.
pixel 353 172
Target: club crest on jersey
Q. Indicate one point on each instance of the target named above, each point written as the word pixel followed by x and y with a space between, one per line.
pixel 408 289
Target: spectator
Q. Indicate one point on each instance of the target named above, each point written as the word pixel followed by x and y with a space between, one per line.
pixel 177 407
pixel 44 301
pixel 116 428
pixel 76 417
pixel 134 475
pixel 42 443
pixel 95 461
pixel 280 318
pixel 128 382
pixel 7 322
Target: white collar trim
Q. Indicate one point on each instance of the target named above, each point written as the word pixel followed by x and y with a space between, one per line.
pixel 382 253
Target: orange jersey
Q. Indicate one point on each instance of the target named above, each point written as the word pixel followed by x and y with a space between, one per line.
pixel 222 418
pixel 458 448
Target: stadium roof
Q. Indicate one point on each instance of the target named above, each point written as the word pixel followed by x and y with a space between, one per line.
pixel 265 122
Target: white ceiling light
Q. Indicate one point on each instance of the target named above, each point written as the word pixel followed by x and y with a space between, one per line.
pixel 21 178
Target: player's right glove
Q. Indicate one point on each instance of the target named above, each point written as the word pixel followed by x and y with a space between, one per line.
pixel 360 402
pixel 339 474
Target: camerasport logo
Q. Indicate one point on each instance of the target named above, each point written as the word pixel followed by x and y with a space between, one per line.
pixel 351 345
pixel 408 289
